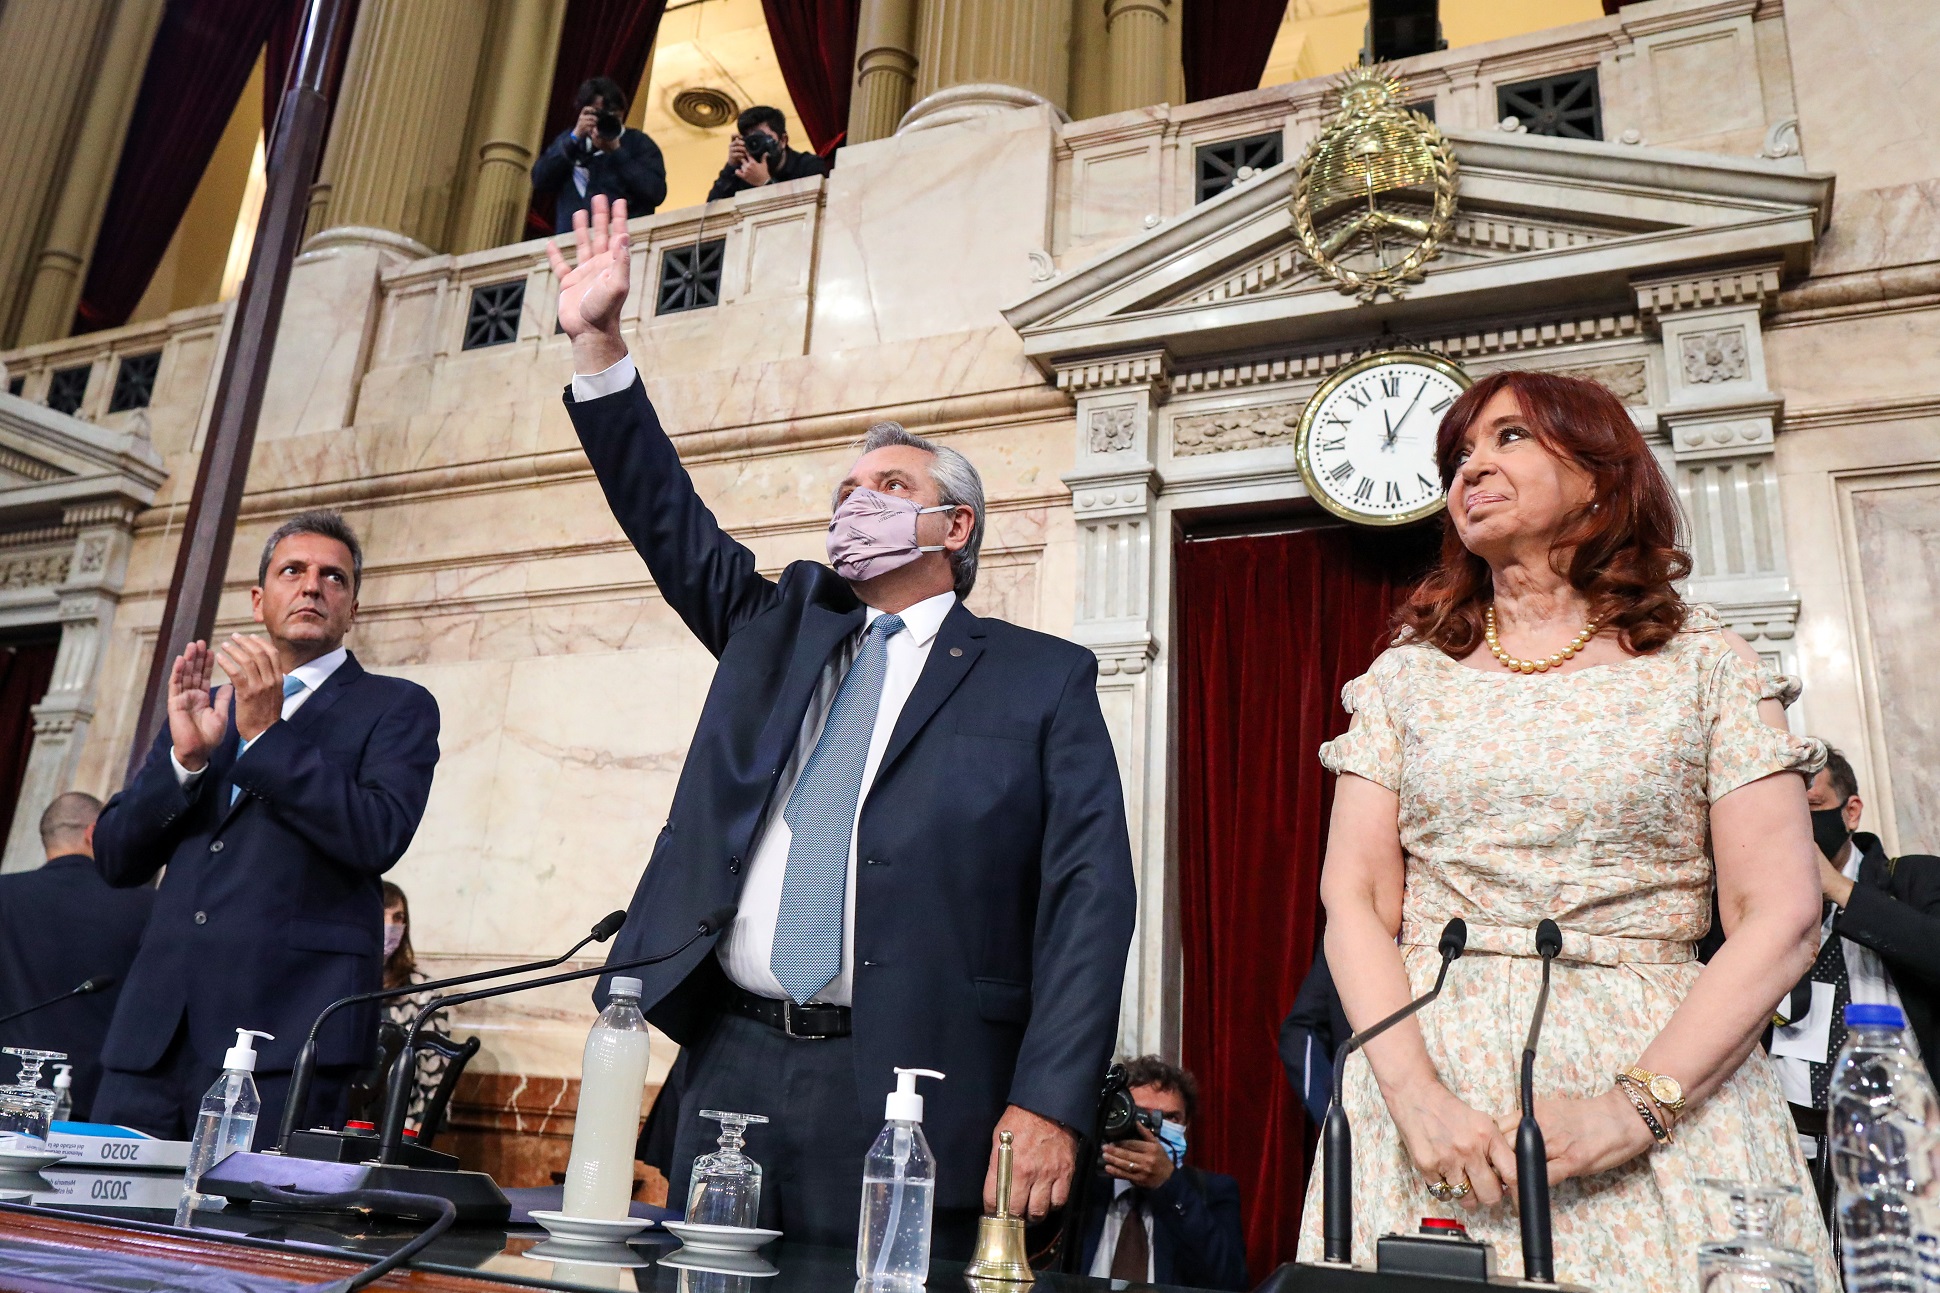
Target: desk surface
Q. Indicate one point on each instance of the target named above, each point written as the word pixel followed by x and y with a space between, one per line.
pixel 299 1247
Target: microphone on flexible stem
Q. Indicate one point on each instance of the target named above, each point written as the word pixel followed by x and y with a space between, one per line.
pixel 1336 1140
pixel 404 1068
pixel 99 983
pixel 1532 1158
pixel 306 1059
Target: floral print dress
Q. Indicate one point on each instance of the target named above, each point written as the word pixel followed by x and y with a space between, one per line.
pixel 1583 797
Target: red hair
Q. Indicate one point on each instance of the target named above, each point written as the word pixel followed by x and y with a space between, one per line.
pixel 1622 555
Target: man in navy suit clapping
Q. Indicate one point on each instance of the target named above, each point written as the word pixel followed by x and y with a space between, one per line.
pixel 276 802
pixel 917 810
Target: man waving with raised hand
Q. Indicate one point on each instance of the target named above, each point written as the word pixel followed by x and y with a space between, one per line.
pixel 917 810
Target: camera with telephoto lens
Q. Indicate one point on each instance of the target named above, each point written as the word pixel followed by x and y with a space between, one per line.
pixel 1119 1116
pixel 762 147
pixel 607 125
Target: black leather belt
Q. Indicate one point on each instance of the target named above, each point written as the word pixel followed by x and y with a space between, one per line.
pixel 1810 1122
pixel 813 1021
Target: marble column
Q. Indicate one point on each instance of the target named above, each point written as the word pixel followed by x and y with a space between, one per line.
pixel 396 147
pixel 48 49
pixel 1135 52
pixel 517 82
pixel 976 57
pixel 885 69
pixel 55 288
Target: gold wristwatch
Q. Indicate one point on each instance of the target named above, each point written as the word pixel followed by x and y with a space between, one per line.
pixel 1662 1087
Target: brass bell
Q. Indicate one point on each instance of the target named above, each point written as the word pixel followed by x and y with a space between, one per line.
pixel 1001 1254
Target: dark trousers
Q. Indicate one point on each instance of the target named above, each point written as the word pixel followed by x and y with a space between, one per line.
pixel 812 1147
pixel 164 1100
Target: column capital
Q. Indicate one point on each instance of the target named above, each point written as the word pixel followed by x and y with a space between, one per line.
pixel 1755 286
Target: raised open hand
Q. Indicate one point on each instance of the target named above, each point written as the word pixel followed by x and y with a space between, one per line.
pixel 195 723
pixel 592 290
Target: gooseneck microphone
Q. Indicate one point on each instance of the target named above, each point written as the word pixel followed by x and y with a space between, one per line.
pixel 1336 1140
pixel 1532 1157
pixel 294 1106
pixel 99 983
pixel 404 1068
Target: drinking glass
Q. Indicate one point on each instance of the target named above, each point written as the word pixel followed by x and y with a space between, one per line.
pixel 726 1187
pixel 1748 1260
pixel 26 1107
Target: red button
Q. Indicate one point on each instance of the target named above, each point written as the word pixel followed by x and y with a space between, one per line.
pixel 1445 1226
pixel 357 1125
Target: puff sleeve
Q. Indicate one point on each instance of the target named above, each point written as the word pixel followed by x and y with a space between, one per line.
pixel 1742 746
pixel 1371 746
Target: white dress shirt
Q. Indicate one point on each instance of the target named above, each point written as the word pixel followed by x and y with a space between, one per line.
pixel 1115 1215
pixel 749 942
pixel 609 381
pixel 313 675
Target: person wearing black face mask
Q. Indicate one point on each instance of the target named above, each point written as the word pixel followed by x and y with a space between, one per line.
pixel 1879 943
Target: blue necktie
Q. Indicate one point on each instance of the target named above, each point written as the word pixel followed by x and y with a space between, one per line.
pixel 821 814
pixel 291 685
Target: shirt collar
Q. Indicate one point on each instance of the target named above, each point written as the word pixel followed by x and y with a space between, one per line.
pixel 314 674
pixel 924 620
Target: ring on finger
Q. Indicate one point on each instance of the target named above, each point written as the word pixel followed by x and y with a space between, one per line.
pixel 1443 1192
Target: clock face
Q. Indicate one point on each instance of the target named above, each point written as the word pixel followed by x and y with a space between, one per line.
pixel 1366 445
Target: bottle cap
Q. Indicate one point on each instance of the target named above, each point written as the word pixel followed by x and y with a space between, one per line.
pixel 624 986
pixel 904 1105
pixel 243 1054
pixel 1875 1016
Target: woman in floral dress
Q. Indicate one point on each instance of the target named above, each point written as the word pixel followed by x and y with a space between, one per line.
pixel 1556 734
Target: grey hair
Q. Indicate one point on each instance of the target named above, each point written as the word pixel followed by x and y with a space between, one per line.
pixel 328 524
pixel 957 484
pixel 67 818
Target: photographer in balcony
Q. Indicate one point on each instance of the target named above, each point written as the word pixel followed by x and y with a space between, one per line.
pixel 759 154
pixel 1151 1219
pixel 601 154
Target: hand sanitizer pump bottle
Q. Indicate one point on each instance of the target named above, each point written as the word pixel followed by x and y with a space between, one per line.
pixel 898 1194
pixel 63 1092
pixel 227 1122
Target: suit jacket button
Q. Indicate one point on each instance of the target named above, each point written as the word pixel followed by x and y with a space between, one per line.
pixel 734 866
pixel 201 917
pixel 216 847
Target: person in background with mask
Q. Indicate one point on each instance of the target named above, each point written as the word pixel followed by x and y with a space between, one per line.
pixel 400 968
pixel 916 810
pixel 1154 1220
pixel 1885 914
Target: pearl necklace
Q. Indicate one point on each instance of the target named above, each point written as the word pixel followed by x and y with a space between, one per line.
pixel 1532 666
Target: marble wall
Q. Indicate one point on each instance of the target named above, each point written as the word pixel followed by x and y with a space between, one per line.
pixel 498 579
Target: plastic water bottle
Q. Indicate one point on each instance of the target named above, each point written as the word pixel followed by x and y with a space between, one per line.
pixel 227 1121
pixel 63 1093
pixel 898 1193
pixel 1883 1128
pixel 612 1081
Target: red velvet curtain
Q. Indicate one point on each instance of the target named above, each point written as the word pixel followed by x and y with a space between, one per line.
pixel 815 44
pixel 25 671
pixel 204 51
pixel 1227 43
pixel 1270 628
pixel 600 38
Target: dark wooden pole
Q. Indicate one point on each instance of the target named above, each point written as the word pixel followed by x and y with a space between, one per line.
pixel 296 144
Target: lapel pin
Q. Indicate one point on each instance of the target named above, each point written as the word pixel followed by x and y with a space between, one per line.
pixel 956 650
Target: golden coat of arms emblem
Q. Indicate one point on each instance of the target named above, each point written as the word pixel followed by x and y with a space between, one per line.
pixel 1374 195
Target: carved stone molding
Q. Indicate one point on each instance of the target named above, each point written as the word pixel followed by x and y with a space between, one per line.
pixel 1114 429
pixel 1715 356
pixel 34 570
pixel 1149 368
pixel 1628 380
pixel 1229 429
pixel 1755 285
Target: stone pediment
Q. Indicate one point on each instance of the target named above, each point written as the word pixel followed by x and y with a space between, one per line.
pixel 1541 223
pixel 50 462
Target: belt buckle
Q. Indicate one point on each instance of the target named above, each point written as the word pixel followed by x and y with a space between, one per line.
pixel 788 1017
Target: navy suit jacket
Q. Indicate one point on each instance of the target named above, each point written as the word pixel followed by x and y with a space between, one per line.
pixel 60 925
pixel 994 891
pixel 272 907
pixel 636 172
pixel 1198 1235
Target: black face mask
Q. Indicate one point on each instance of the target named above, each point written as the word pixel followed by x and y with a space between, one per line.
pixel 1829 831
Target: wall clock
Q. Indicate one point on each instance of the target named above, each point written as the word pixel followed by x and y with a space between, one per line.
pixel 1366 441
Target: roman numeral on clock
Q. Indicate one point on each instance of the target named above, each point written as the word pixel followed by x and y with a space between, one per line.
pixel 1340 471
pixel 1391 385
pixel 1364 490
pixel 1329 446
pixel 1391 494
